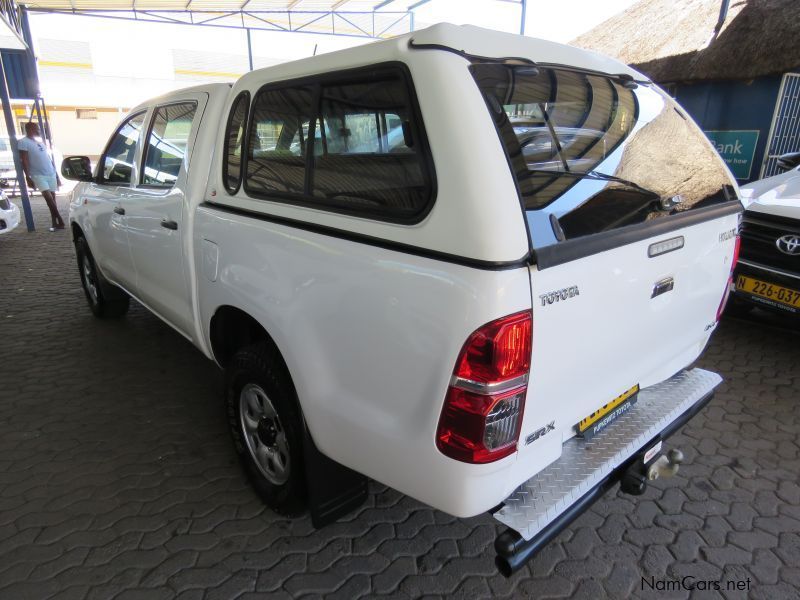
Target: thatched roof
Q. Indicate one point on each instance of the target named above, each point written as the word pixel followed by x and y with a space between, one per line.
pixel 672 40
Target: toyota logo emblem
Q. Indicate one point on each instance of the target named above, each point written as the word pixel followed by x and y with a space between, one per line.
pixel 789 244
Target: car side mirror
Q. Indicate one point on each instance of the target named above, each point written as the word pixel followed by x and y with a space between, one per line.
pixel 77 168
pixel 789 161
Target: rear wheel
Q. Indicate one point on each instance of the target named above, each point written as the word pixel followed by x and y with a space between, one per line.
pixel 104 299
pixel 266 425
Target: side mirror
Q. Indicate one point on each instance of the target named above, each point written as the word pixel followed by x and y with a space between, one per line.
pixel 789 161
pixel 77 168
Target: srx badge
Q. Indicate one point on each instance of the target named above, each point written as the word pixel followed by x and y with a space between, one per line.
pixel 540 432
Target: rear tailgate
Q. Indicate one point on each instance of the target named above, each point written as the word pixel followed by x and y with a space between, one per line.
pixel 619 324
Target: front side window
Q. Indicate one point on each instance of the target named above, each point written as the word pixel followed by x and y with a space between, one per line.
pixel 594 153
pixel 234 142
pixel 277 145
pixel 117 163
pixel 348 144
pixel 167 143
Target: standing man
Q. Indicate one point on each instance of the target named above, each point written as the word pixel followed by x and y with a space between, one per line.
pixel 39 170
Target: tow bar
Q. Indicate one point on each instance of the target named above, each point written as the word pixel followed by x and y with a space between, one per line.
pixel 634 480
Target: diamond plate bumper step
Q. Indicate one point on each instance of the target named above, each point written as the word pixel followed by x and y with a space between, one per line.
pixel 544 505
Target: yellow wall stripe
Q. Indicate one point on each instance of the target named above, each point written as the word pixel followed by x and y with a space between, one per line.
pixel 66 64
pixel 207 73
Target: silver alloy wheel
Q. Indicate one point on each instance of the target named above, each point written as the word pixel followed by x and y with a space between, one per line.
pixel 264 434
pixel 88 279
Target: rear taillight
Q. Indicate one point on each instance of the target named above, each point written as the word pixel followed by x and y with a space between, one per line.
pixel 737 247
pixel 729 285
pixel 482 411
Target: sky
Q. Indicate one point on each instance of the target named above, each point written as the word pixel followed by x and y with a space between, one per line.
pixel 558 21
pixel 145 71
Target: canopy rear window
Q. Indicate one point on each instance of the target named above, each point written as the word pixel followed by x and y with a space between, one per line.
pixel 592 153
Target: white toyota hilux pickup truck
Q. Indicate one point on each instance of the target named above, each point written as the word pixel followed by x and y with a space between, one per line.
pixel 473 266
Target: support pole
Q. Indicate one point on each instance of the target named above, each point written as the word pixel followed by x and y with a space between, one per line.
pixel 32 83
pixel 249 49
pixel 42 131
pixel 12 138
pixel 524 4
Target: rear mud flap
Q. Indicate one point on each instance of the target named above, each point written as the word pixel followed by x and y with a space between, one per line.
pixel 333 489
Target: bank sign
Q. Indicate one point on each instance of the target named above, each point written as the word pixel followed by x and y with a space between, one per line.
pixel 737 149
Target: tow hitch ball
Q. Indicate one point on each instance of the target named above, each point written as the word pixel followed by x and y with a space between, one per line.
pixel 635 479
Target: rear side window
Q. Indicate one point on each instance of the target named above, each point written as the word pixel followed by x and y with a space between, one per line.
pixel 117 163
pixel 234 143
pixel 364 157
pixel 277 142
pixel 167 143
pixel 349 142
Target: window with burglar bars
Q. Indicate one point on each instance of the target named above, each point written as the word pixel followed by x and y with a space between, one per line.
pixel 784 133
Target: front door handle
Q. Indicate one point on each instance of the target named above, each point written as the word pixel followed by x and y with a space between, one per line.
pixel 169 224
pixel 119 210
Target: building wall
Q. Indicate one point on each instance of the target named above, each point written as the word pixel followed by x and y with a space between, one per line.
pixel 72 135
pixel 732 106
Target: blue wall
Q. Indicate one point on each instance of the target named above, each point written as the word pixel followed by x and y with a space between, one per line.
pixel 733 105
pixel 20 74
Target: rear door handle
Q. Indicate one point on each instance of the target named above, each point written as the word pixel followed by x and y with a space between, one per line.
pixel 119 210
pixel 169 224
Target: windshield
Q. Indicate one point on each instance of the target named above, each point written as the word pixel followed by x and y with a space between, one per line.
pixel 592 153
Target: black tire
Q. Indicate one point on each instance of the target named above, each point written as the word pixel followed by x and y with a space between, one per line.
pixel 105 300
pixel 260 367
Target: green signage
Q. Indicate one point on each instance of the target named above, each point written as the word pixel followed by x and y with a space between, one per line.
pixel 737 149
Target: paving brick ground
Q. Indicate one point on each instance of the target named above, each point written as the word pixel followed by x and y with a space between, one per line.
pixel 117 478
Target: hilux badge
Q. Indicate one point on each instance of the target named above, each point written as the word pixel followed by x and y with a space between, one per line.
pixel 789 244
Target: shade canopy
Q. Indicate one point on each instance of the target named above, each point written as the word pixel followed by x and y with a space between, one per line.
pixel 211 5
pixel 359 18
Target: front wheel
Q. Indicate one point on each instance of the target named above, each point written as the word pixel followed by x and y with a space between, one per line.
pixel 105 300
pixel 266 425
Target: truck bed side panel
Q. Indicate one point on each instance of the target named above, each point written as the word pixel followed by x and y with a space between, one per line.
pixel 370 336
